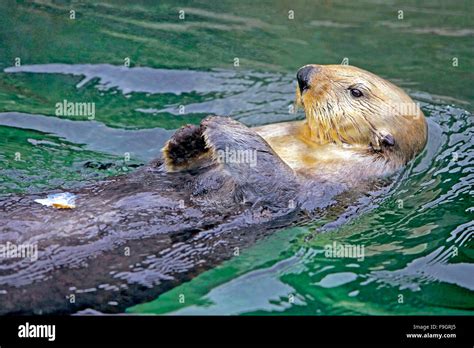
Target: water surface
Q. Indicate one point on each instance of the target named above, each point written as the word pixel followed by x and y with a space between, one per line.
pixel 418 238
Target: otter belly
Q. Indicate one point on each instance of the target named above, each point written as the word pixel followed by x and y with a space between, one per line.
pixel 130 238
pixel 126 241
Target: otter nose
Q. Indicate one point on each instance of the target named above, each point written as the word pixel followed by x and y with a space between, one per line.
pixel 304 76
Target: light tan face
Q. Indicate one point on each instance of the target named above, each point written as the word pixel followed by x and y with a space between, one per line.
pixel 345 104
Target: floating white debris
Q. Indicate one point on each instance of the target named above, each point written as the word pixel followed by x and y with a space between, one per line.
pixel 64 200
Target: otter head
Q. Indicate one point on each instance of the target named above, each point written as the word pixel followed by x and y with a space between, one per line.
pixel 347 105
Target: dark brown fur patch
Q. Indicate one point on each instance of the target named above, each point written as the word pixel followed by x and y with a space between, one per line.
pixel 186 145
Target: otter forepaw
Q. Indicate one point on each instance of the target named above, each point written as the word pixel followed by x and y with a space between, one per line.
pixel 194 146
pixel 185 148
pixel 225 134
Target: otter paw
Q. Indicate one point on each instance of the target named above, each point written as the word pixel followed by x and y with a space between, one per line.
pixel 224 133
pixel 185 148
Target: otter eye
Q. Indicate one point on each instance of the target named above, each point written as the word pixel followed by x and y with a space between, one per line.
pixel 356 93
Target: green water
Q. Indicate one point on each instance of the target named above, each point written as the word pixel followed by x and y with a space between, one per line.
pixel 417 238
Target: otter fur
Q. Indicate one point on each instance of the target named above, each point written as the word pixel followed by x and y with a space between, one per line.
pixel 133 237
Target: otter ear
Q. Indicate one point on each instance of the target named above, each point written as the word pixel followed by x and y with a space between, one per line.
pixel 382 139
pixel 387 139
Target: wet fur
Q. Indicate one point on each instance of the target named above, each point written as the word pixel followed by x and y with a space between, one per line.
pixel 346 139
pixel 176 225
pixel 188 212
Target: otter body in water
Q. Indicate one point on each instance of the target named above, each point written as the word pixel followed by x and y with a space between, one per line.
pixel 220 187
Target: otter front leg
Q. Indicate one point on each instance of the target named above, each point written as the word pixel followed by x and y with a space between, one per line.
pixel 240 165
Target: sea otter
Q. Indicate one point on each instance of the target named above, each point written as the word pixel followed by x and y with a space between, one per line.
pixel 219 187
pixel 357 126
